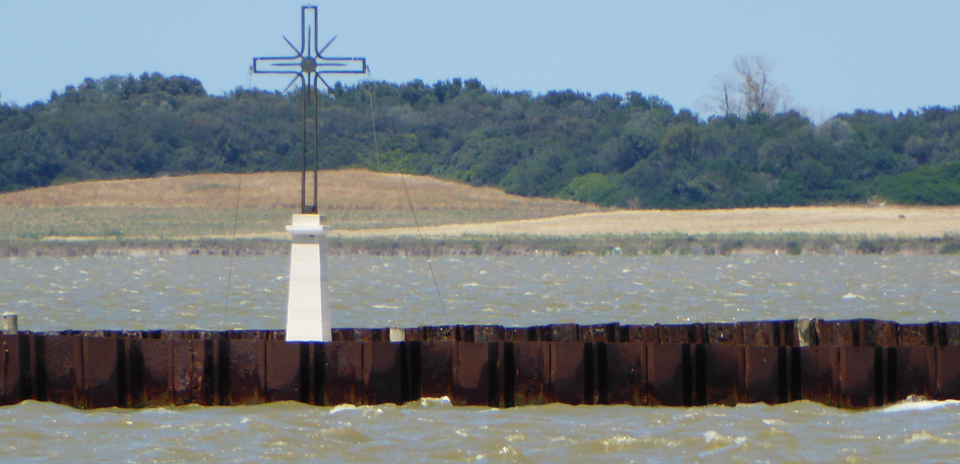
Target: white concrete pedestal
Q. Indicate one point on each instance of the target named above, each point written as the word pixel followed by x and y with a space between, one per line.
pixel 308 315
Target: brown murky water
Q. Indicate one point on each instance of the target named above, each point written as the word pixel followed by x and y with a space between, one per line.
pixel 192 292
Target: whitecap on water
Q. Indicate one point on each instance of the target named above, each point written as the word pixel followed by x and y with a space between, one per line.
pixel 851 296
pixel 919 405
pixel 924 435
pixel 712 436
pixel 619 441
pixel 443 401
pixel 341 408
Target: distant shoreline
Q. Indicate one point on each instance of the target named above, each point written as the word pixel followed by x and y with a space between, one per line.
pixel 520 245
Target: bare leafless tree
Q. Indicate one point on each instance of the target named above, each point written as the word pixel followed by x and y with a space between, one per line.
pixel 759 94
pixel 747 89
pixel 723 98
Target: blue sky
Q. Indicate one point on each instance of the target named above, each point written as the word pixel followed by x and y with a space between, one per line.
pixel 831 56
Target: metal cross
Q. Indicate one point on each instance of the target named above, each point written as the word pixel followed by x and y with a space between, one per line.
pixel 307 66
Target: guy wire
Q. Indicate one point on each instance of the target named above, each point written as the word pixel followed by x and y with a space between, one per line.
pixel 373 121
pixel 423 243
pixel 376 146
pixel 233 250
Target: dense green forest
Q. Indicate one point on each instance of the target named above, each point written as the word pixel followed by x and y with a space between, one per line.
pixel 631 151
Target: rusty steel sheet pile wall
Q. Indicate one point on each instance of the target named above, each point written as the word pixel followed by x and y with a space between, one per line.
pixel 848 364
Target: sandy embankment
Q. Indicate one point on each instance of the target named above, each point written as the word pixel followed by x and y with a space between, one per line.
pixel 893 221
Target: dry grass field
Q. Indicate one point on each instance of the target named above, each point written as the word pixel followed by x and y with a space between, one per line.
pixel 205 206
pixel 891 221
pixel 349 189
pixel 362 204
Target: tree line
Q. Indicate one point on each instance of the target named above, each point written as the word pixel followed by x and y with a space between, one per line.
pixel 628 150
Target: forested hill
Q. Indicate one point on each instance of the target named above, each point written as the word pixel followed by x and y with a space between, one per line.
pixel 632 151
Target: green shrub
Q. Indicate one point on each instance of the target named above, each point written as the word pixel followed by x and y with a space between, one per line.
pixel 927 185
pixel 868 247
pixel 950 249
pixel 794 249
pixel 593 188
pixel 727 247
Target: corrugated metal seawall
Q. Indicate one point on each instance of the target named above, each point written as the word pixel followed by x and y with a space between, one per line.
pixel 849 364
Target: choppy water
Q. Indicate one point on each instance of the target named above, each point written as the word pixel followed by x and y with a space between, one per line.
pixel 192 292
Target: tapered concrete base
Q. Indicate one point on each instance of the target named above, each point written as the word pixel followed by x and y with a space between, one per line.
pixel 308 316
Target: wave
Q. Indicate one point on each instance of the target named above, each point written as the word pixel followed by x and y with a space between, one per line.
pixel 918 405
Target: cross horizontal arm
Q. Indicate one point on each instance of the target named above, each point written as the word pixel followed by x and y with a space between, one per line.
pixel 275 62
pixel 352 62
